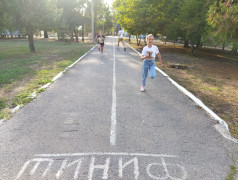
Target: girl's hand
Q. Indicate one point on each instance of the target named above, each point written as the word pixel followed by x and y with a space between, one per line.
pixel 144 57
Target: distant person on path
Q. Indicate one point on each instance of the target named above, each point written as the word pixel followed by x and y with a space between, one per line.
pixel 148 55
pixel 120 38
pixel 100 40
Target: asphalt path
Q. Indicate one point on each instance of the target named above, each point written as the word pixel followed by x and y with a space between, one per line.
pixel 94 123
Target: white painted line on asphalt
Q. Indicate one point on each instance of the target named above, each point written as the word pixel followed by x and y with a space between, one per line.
pixel 123 166
pixel 45 86
pixel 38 162
pixel 224 132
pixel 16 108
pixel 33 95
pixel 105 154
pixel 104 167
pixel 162 72
pixel 116 164
pixel 1 121
pixel 113 115
pixel 65 165
pixel 199 103
pixel 57 76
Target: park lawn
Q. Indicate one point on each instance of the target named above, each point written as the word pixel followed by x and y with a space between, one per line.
pixel 212 76
pixel 22 72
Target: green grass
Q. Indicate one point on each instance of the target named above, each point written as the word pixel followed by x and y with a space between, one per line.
pixel 16 62
pixel 232 173
pixel 213 89
pixel 22 98
pixel 2 103
pixel 37 69
pixel 5 114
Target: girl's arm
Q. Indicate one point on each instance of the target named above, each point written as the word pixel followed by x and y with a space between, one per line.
pixel 160 60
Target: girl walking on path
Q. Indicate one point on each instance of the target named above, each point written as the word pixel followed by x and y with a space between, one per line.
pixel 100 39
pixel 148 55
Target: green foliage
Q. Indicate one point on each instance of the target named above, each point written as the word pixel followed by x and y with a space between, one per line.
pixel 22 98
pixel 3 103
pixel 223 21
pixel 16 63
pixel 232 173
pixel 72 15
pixel 5 114
pixel 103 16
pixel 193 20
pixel 64 63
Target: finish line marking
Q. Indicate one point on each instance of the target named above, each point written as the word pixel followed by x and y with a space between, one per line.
pixel 105 154
pixel 107 165
pixel 113 116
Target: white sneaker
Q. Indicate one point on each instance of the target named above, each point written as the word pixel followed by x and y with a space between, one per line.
pixel 142 88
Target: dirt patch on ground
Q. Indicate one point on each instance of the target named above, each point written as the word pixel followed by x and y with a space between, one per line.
pixel 212 76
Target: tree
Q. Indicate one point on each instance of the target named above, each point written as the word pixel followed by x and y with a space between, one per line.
pixel 51 18
pixel 72 17
pixel 105 20
pixel 28 16
pixel 103 17
pixel 223 19
pixel 172 25
pixel 192 15
pixel 30 13
pixel 2 14
pixel 130 14
pixel 145 16
pixel 8 21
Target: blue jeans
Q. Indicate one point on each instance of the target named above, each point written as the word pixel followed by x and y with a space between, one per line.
pixel 148 65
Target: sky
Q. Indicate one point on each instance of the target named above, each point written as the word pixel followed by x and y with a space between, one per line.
pixel 109 2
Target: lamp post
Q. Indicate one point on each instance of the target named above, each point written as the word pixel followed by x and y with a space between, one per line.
pixel 92 19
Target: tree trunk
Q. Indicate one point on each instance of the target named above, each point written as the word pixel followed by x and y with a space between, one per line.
pixel 195 49
pixel 234 48
pixel 72 36
pixel 192 52
pixel 76 35
pixel 58 36
pixel 129 37
pixel 31 38
pixel 185 44
pixel 198 45
pixel 46 34
pixel 137 41
pixel 223 47
pixel 83 33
